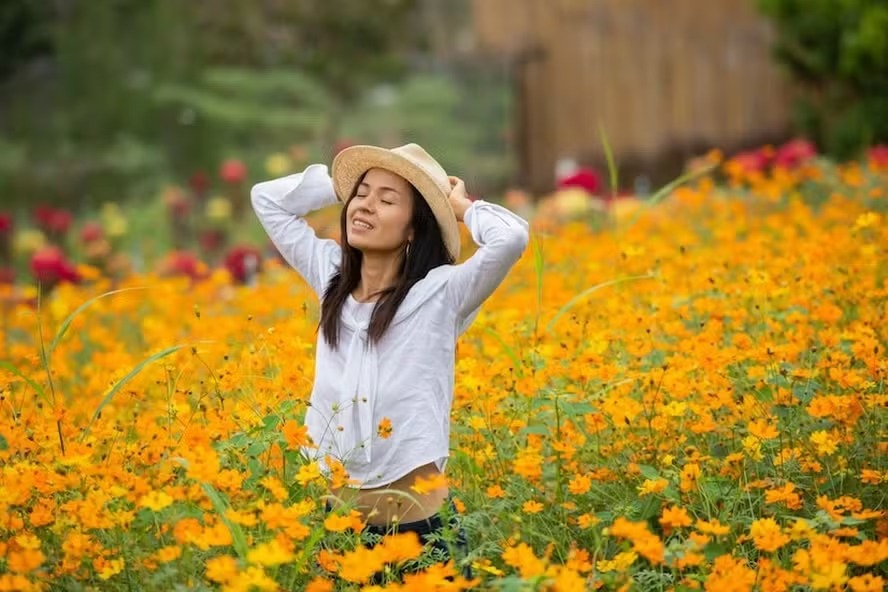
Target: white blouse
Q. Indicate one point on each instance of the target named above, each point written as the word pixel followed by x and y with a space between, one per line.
pixel 408 376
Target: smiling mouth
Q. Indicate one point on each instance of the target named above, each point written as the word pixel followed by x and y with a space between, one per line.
pixel 362 224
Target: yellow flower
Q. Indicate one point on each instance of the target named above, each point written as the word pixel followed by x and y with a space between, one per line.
pixel 620 563
pixel 221 569
pixel 278 164
pixel 532 507
pixel 866 220
pixel 826 444
pixel 270 554
pixel 155 501
pixel 767 535
pixel 652 486
pixel 218 209
pixel 29 240
pixel 111 568
pixel 308 473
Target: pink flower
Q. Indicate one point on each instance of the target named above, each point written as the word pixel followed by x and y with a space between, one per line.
pixel 243 262
pixel 233 171
pixel 794 153
pixel 91 232
pixel 586 179
pixel 49 266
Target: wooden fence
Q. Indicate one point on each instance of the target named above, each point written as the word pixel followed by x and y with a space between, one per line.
pixel 665 79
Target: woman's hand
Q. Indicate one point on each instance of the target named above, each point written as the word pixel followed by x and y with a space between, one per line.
pixel 459 199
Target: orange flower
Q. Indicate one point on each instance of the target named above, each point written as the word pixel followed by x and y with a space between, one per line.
pixel 522 558
pixel 295 434
pixel 496 492
pixel 532 507
pixel 579 484
pixel 384 430
pixel 675 517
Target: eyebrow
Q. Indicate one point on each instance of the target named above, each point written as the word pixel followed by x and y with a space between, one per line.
pixel 382 187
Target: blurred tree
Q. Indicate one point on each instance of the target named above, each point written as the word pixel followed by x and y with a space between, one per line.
pixel 22 36
pixel 838 51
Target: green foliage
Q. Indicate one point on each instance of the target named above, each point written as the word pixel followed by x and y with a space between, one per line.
pixel 838 51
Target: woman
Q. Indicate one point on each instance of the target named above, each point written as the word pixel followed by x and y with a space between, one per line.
pixel 393 304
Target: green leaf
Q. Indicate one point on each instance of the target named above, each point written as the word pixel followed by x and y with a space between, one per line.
pixel 4 445
pixel 649 472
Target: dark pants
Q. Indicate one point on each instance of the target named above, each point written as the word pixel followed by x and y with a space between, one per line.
pixel 440 533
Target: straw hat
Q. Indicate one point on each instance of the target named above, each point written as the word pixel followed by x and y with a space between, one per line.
pixel 413 163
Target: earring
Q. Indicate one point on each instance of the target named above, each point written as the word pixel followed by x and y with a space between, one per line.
pixel 407 253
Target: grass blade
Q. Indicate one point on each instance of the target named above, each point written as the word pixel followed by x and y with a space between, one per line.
pixel 612 172
pixel 538 264
pixel 238 540
pixel 664 191
pixel 573 301
pixel 66 324
pixel 37 388
pixel 122 382
pixel 509 351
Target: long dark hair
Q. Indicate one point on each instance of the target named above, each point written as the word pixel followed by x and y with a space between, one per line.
pixel 427 251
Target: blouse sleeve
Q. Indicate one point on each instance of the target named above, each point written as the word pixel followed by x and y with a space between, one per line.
pixel 501 237
pixel 281 204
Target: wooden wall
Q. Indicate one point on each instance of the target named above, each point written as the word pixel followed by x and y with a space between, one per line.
pixel 665 78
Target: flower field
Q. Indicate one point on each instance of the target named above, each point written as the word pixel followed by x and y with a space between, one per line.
pixel 685 396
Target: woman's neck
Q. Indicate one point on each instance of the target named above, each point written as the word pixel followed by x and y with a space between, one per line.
pixel 378 273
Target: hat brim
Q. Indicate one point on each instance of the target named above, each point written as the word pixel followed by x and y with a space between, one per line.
pixel 351 164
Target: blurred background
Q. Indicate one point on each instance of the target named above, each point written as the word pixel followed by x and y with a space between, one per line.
pixel 131 113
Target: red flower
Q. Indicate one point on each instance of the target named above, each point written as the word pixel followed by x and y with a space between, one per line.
pixel 752 161
pixel 176 201
pixel 199 182
pixel 5 223
pixel 233 171
pixel 794 153
pixel 52 220
pixel 7 275
pixel 91 232
pixel 184 263
pixel 212 240
pixel 878 156
pixel 586 179
pixel 49 266
pixel 243 262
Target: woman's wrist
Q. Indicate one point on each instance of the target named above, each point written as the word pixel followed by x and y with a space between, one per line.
pixel 460 209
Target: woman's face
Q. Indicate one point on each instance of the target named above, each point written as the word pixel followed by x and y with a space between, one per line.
pixel 378 216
